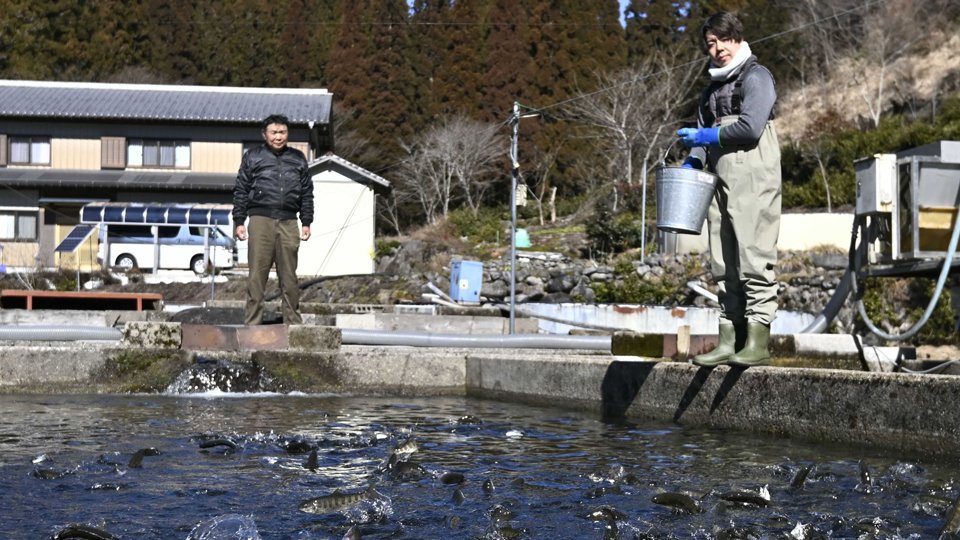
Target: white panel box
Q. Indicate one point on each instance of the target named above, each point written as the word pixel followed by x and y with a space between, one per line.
pixel 876 181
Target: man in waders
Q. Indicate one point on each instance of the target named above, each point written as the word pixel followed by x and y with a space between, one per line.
pixel 735 138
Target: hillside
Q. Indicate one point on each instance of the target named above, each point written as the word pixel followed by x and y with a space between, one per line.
pixel 912 83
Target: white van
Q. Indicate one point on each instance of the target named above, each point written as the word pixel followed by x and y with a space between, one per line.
pixel 180 247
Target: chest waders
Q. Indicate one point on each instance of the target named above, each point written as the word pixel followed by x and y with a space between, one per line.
pixel 743 223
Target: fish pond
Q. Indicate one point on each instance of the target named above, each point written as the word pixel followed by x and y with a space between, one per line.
pixel 223 466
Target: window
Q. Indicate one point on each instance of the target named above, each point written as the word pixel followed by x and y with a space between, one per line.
pixel 18 226
pixel 29 150
pixel 161 154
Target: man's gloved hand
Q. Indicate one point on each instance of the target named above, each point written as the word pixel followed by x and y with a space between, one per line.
pixel 691 163
pixel 699 137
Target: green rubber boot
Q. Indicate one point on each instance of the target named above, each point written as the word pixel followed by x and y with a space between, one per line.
pixel 724 350
pixel 755 352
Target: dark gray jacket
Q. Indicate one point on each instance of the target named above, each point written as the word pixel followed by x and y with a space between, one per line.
pixel 757 97
pixel 275 185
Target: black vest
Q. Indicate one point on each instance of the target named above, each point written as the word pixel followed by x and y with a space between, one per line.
pixel 724 98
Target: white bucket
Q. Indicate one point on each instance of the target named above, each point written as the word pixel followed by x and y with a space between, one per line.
pixel 683 198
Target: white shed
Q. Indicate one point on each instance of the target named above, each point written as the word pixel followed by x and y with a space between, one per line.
pixel 344 223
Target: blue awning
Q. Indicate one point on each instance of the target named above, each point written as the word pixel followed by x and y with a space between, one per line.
pixel 118 213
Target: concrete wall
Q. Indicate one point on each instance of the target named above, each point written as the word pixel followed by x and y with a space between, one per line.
pixel 797 232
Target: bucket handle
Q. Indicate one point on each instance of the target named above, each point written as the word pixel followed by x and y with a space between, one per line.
pixel 663 158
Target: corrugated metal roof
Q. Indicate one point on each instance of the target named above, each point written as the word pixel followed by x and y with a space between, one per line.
pixel 147 102
pixel 168 181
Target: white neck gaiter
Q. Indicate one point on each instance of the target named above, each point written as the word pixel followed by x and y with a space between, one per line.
pixel 723 73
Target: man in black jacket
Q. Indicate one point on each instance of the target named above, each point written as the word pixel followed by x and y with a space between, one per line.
pixel 273 186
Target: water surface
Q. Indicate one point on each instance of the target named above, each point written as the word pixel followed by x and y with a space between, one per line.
pixel 554 473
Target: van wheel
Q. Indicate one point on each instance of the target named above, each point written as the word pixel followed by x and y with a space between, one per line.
pixel 126 261
pixel 196 263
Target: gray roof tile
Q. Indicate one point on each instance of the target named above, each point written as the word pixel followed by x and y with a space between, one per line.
pixel 146 102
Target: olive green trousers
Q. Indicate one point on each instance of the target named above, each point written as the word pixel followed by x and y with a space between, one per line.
pixel 272 241
pixel 744 223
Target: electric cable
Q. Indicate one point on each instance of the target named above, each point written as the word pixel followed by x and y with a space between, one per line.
pixel 941 280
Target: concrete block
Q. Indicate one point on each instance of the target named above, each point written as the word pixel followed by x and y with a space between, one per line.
pixel 383 371
pixel 142 334
pixel 47 367
pixel 635 344
pixel 314 338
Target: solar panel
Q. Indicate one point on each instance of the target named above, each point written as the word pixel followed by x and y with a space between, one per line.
pixel 75 238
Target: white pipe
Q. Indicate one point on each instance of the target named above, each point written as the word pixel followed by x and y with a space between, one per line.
pixel 351 336
pixel 26 332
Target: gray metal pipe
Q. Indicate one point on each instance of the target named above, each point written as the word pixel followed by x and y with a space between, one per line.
pixel 28 332
pixel 352 336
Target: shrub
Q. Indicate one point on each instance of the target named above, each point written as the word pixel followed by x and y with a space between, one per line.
pixel 485 226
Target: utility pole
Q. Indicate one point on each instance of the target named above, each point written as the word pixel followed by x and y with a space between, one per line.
pixel 514 180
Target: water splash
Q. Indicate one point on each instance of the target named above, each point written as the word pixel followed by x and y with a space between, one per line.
pixel 226 527
pixel 221 375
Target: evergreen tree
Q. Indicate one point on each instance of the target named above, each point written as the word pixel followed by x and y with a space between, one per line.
pixel 429 34
pixel 457 85
pixel 572 42
pixel 390 94
pixel 348 62
pixel 659 26
pixel 509 69
pixel 64 40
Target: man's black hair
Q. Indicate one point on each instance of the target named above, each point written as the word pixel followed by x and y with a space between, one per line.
pixel 274 119
pixel 724 25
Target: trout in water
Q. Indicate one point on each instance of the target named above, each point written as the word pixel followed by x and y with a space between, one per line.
pixel 337 501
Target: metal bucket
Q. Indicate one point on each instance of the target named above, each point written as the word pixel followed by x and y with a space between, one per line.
pixel 683 198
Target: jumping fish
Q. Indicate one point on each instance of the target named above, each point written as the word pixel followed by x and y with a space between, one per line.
pixel 45 473
pixel 681 502
pixel 488 486
pixel 800 477
pixel 951 527
pixel 458 496
pixel 745 497
pixel 336 501
pixel 408 469
pixel 448 478
pixel 85 532
pixel 606 514
pixel 312 461
pixel 136 461
pixel 213 443
pixel 866 478
pixel 353 533
pixel 297 446
pixel 407 447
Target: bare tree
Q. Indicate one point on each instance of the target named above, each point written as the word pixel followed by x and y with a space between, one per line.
pixel 863 40
pixel 421 180
pixel 891 31
pixel 472 148
pixel 456 156
pixel 634 114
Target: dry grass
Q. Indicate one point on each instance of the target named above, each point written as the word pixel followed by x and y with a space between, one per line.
pixel 916 78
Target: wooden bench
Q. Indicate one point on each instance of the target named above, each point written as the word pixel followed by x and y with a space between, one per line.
pixel 30 299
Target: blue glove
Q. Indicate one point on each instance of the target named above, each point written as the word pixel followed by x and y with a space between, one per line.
pixel 699 137
pixel 691 163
